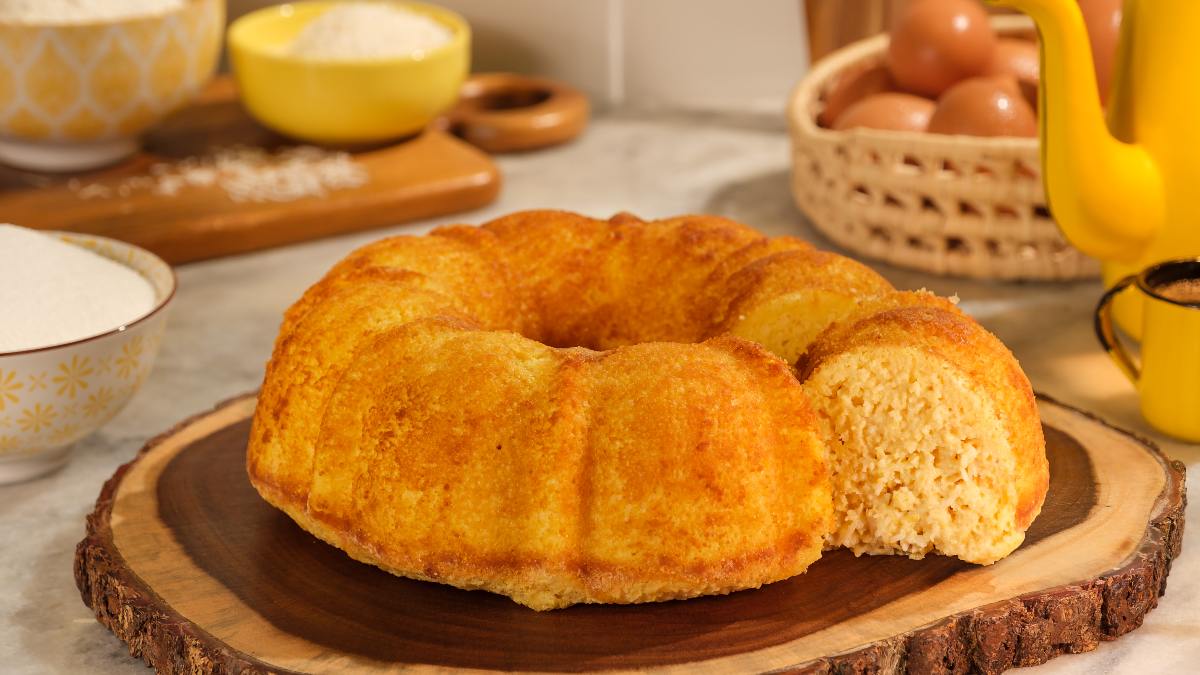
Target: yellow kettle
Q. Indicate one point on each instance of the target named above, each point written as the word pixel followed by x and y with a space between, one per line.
pixel 1126 192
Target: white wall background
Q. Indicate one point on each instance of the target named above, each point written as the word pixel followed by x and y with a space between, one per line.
pixel 709 55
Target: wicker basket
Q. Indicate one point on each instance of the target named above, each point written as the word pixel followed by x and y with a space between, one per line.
pixel 950 205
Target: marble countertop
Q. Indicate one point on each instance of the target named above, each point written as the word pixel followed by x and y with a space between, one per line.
pixel 227 312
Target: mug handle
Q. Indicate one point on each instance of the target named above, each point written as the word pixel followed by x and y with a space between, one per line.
pixel 1108 337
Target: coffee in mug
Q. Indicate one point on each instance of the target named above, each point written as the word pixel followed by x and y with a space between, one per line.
pixel 1186 291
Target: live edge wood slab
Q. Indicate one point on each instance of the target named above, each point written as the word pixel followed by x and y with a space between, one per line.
pixel 187 565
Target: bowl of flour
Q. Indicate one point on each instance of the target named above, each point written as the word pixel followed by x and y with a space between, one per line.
pixel 349 73
pixel 84 78
pixel 81 321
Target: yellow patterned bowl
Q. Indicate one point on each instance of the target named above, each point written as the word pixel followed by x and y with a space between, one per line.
pixel 343 102
pixel 76 96
pixel 53 396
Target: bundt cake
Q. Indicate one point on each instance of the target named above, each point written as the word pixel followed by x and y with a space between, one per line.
pixel 566 410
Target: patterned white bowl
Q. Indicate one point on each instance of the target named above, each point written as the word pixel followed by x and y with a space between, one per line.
pixel 76 95
pixel 52 396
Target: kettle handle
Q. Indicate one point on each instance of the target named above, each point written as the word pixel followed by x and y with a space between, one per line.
pixel 1108 337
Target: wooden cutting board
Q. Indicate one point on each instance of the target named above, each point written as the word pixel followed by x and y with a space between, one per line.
pixel 432 174
pixel 184 562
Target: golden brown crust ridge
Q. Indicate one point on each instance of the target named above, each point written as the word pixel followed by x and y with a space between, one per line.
pixel 307 364
pixel 789 271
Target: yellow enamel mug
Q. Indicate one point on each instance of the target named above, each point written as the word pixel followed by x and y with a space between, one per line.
pixel 1168 378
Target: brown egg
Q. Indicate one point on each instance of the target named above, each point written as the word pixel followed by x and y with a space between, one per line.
pixel 1019 59
pixel 896 112
pixel 984 106
pixel 852 87
pixel 936 43
pixel 1103 19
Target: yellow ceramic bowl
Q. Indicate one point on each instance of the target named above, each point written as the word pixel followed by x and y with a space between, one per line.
pixel 52 396
pixel 76 95
pixel 342 102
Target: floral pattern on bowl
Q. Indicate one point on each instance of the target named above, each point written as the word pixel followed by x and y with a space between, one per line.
pixel 53 396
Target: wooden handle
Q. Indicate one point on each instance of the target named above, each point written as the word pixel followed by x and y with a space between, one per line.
pixel 504 112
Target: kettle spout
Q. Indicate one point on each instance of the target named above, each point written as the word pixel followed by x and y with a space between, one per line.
pixel 1106 195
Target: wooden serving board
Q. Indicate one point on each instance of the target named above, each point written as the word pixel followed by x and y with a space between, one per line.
pixel 184 562
pixel 429 175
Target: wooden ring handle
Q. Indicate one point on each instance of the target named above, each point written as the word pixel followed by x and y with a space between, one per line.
pixel 504 112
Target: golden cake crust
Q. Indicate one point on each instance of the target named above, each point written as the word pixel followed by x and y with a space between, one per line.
pixel 566 410
pixel 713 442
